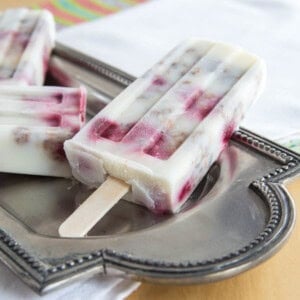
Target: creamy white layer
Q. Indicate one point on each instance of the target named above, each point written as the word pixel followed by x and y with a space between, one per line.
pixel 34 123
pixel 165 130
pixel 26 40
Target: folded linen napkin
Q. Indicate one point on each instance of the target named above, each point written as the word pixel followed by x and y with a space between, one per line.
pixel 135 39
pixel 96 288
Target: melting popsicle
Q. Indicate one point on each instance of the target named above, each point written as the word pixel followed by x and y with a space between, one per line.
pixel 34 123
pixel 158 138
pixel 26 40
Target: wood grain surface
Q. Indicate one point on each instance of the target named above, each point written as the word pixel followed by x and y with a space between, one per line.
pixel 276 279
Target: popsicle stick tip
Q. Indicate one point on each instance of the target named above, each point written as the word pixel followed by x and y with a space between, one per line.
pixel 85 217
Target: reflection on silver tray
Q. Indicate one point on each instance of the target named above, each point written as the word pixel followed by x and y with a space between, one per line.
pixel 239 215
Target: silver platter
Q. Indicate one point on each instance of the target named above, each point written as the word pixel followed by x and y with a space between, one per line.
pixel 239 216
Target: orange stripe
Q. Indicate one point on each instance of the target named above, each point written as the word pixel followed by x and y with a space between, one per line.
pixel 94 7
pixel 61 14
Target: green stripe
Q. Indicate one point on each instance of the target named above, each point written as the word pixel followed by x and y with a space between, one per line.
pixel 74 8
pixel 94 14
pixel 293 145
pixel 92 11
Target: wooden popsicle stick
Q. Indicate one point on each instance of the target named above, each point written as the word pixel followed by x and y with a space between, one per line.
pixel 83 219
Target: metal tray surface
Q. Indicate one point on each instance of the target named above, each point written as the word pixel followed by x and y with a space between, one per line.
pixel 239 215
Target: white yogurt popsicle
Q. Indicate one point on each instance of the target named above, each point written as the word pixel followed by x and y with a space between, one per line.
pixel 26 40
pixel 161 135
pixel 34 123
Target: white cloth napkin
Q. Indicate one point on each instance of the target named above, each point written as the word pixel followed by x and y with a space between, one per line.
pixel 96 288
pixel 135 39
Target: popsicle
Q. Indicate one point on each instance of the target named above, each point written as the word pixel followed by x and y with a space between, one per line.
pixel 68 73
pixel 26 40
pixel 34 123
pixel 158 138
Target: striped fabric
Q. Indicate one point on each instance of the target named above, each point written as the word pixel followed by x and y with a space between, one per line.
pixel 69 12
pixel 292 142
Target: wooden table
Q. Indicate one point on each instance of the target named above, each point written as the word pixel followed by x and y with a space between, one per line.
pixel 278 278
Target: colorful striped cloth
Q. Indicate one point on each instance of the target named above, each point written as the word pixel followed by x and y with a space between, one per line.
pixel 70 12
pixel 294 145
pixel 292 142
